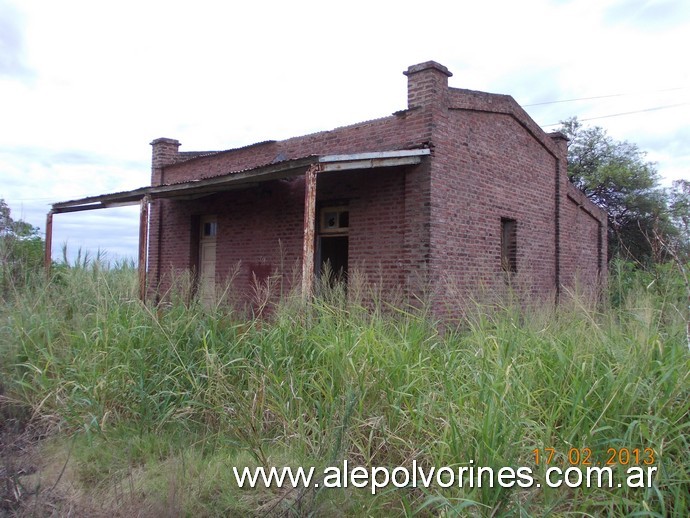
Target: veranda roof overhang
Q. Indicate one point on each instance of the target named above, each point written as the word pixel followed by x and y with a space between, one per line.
pixel 245 178
pixel 308 166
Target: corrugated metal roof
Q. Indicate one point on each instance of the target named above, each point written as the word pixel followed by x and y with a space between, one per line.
pixel 227 181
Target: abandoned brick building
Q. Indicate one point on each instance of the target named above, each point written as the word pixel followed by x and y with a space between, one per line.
pixel 460 188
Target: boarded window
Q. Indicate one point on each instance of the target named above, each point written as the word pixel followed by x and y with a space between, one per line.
pixel 509 245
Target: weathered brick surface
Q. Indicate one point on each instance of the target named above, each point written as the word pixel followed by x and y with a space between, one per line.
pixel 584 240
pixel 435 226
pixel 260 229
pixel 491 168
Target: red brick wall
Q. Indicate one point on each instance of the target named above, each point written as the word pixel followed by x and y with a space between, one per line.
pixel 375 198
pixel 389 235
pixel 492 162
pixel 489 167
pixel 434 227
pixel 260 229
pixel 583 232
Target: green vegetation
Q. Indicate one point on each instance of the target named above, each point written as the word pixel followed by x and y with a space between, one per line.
pixel 647 223
pixel 21 251
pixel 153 406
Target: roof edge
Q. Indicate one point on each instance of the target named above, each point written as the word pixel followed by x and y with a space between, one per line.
pixel 283 169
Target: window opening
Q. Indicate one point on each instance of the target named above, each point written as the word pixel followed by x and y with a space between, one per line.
pixel 209 228
pixel 334 220
pixel 509 245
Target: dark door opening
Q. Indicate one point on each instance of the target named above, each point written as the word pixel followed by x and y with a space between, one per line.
pixel 333 258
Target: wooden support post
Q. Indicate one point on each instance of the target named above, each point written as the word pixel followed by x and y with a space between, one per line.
pixel 143 245
pixel 48 258
pixel 309 224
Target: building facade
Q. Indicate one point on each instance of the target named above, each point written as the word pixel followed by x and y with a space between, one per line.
pixel 459 192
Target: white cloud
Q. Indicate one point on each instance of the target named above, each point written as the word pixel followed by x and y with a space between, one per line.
pixel 107 78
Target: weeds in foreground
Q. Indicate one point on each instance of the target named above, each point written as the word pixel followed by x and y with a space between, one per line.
pixel 162 402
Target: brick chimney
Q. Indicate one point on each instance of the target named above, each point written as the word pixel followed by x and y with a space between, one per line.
pixel 164 153
pixel 427 84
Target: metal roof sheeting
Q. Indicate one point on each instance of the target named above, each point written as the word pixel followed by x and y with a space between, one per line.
pixel 235 179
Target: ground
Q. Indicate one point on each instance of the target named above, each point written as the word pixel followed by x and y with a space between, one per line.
pixel 29 483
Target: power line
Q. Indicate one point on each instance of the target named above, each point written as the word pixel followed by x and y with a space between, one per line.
pixel 605 96
pixel 623 113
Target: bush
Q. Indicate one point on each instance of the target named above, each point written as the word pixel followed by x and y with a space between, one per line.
pixel 21 252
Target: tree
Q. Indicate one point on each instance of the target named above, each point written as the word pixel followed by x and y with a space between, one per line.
pixel 21 250
pixel 616 176
pixel 678 246
pixel 679 211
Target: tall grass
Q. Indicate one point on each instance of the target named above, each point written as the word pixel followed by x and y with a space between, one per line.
pixel 165 400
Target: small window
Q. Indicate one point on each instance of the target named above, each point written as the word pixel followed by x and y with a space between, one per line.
pixel 509 245
pixel 335 220
pixel 209 228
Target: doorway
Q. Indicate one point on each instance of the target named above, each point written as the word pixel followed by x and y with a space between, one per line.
pixel 207 259
pixel 333 244
pixel 334 258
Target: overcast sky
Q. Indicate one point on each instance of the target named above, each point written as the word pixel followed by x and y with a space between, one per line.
pixel 86 85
